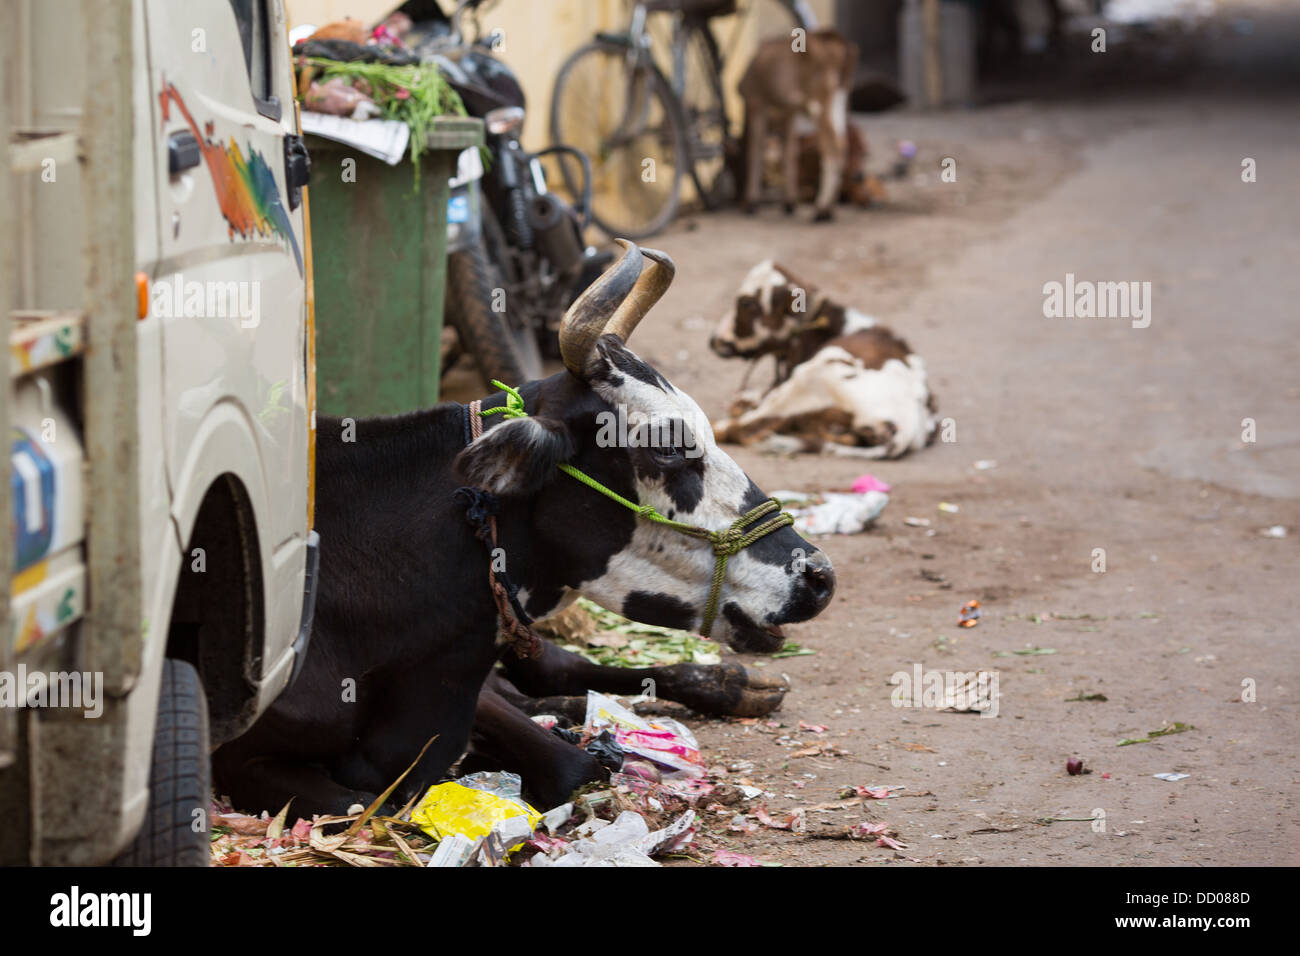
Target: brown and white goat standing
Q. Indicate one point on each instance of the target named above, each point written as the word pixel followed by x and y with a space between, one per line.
pixel 786 79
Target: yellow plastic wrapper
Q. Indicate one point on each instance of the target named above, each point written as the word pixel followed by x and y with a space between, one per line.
pixel 449 809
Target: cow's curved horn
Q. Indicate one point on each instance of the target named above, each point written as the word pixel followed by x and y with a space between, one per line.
pixel 586 319
pixel 650 287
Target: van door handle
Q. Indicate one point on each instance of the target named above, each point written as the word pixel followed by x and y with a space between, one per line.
pixel 297 167
pixel 182 152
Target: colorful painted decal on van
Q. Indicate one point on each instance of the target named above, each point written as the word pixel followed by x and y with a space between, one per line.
pixel 48 524
pixel 246 190
pixel 31 489
pixel 48 602
pixel 52 341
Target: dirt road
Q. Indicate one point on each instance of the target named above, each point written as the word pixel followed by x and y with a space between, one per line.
pixel 1105 436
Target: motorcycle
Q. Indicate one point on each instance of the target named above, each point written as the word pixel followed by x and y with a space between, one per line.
pixel 515 248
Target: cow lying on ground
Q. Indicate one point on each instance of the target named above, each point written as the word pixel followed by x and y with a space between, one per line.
pixel 406 622
pixel 844 384
pixel 781 84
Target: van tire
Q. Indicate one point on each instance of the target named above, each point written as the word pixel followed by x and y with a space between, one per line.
pixel 180 777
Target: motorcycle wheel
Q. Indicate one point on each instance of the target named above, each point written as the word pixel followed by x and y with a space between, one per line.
pixel 499 348
pixel 531 336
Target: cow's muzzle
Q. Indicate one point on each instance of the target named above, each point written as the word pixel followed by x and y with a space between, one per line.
pixel 810 594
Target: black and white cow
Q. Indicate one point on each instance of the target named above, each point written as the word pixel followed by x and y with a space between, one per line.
pixel 405 632
pixel 844 383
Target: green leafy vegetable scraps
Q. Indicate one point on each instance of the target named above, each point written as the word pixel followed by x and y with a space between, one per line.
pixel 1177 727
pixel 416 94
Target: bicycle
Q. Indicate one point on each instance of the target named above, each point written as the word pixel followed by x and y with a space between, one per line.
pixel 643 131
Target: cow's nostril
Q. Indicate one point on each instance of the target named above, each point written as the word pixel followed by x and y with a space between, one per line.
pixel 820 577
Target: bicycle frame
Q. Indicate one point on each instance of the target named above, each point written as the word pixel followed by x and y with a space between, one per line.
pixel 639 60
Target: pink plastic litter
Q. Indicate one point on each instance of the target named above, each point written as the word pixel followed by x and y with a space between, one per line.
pixel 865 483
pixel 731 858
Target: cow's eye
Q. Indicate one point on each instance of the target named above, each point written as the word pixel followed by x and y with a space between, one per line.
pixel 668 454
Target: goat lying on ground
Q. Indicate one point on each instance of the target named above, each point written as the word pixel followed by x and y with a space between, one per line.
pixel 781 84
pixel 857 186
pixel 406 630
pixel 844 384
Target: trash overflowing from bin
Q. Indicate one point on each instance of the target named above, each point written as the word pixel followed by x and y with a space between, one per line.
pixel 374 84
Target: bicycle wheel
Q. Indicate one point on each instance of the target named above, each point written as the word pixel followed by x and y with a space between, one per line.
pixel 697 81
pixel 625 118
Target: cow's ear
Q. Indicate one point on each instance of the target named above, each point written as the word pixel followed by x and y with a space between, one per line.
pixel 516 457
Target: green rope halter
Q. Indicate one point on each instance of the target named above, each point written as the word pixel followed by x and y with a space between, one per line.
pixel 731 541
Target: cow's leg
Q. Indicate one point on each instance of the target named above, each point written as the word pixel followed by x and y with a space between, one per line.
pixel 504 738
pixel 718 689
pixel 269 782
pixel 803 393
pixel 744 431
pixel 871 452
pixel 756 143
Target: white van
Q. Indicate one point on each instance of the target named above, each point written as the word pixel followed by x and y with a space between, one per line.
pixel 154 258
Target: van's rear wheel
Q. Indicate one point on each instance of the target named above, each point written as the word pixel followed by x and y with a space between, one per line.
pixel 180 777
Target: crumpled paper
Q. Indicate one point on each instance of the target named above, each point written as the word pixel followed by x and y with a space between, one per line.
pixel 832 512
pixel 627 841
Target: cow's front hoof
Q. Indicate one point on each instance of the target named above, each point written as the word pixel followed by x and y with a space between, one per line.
pixel 569 770
pixel 723 690
pixel 760 695
pixel 573 708
pixel 789 208
pixel 823 215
